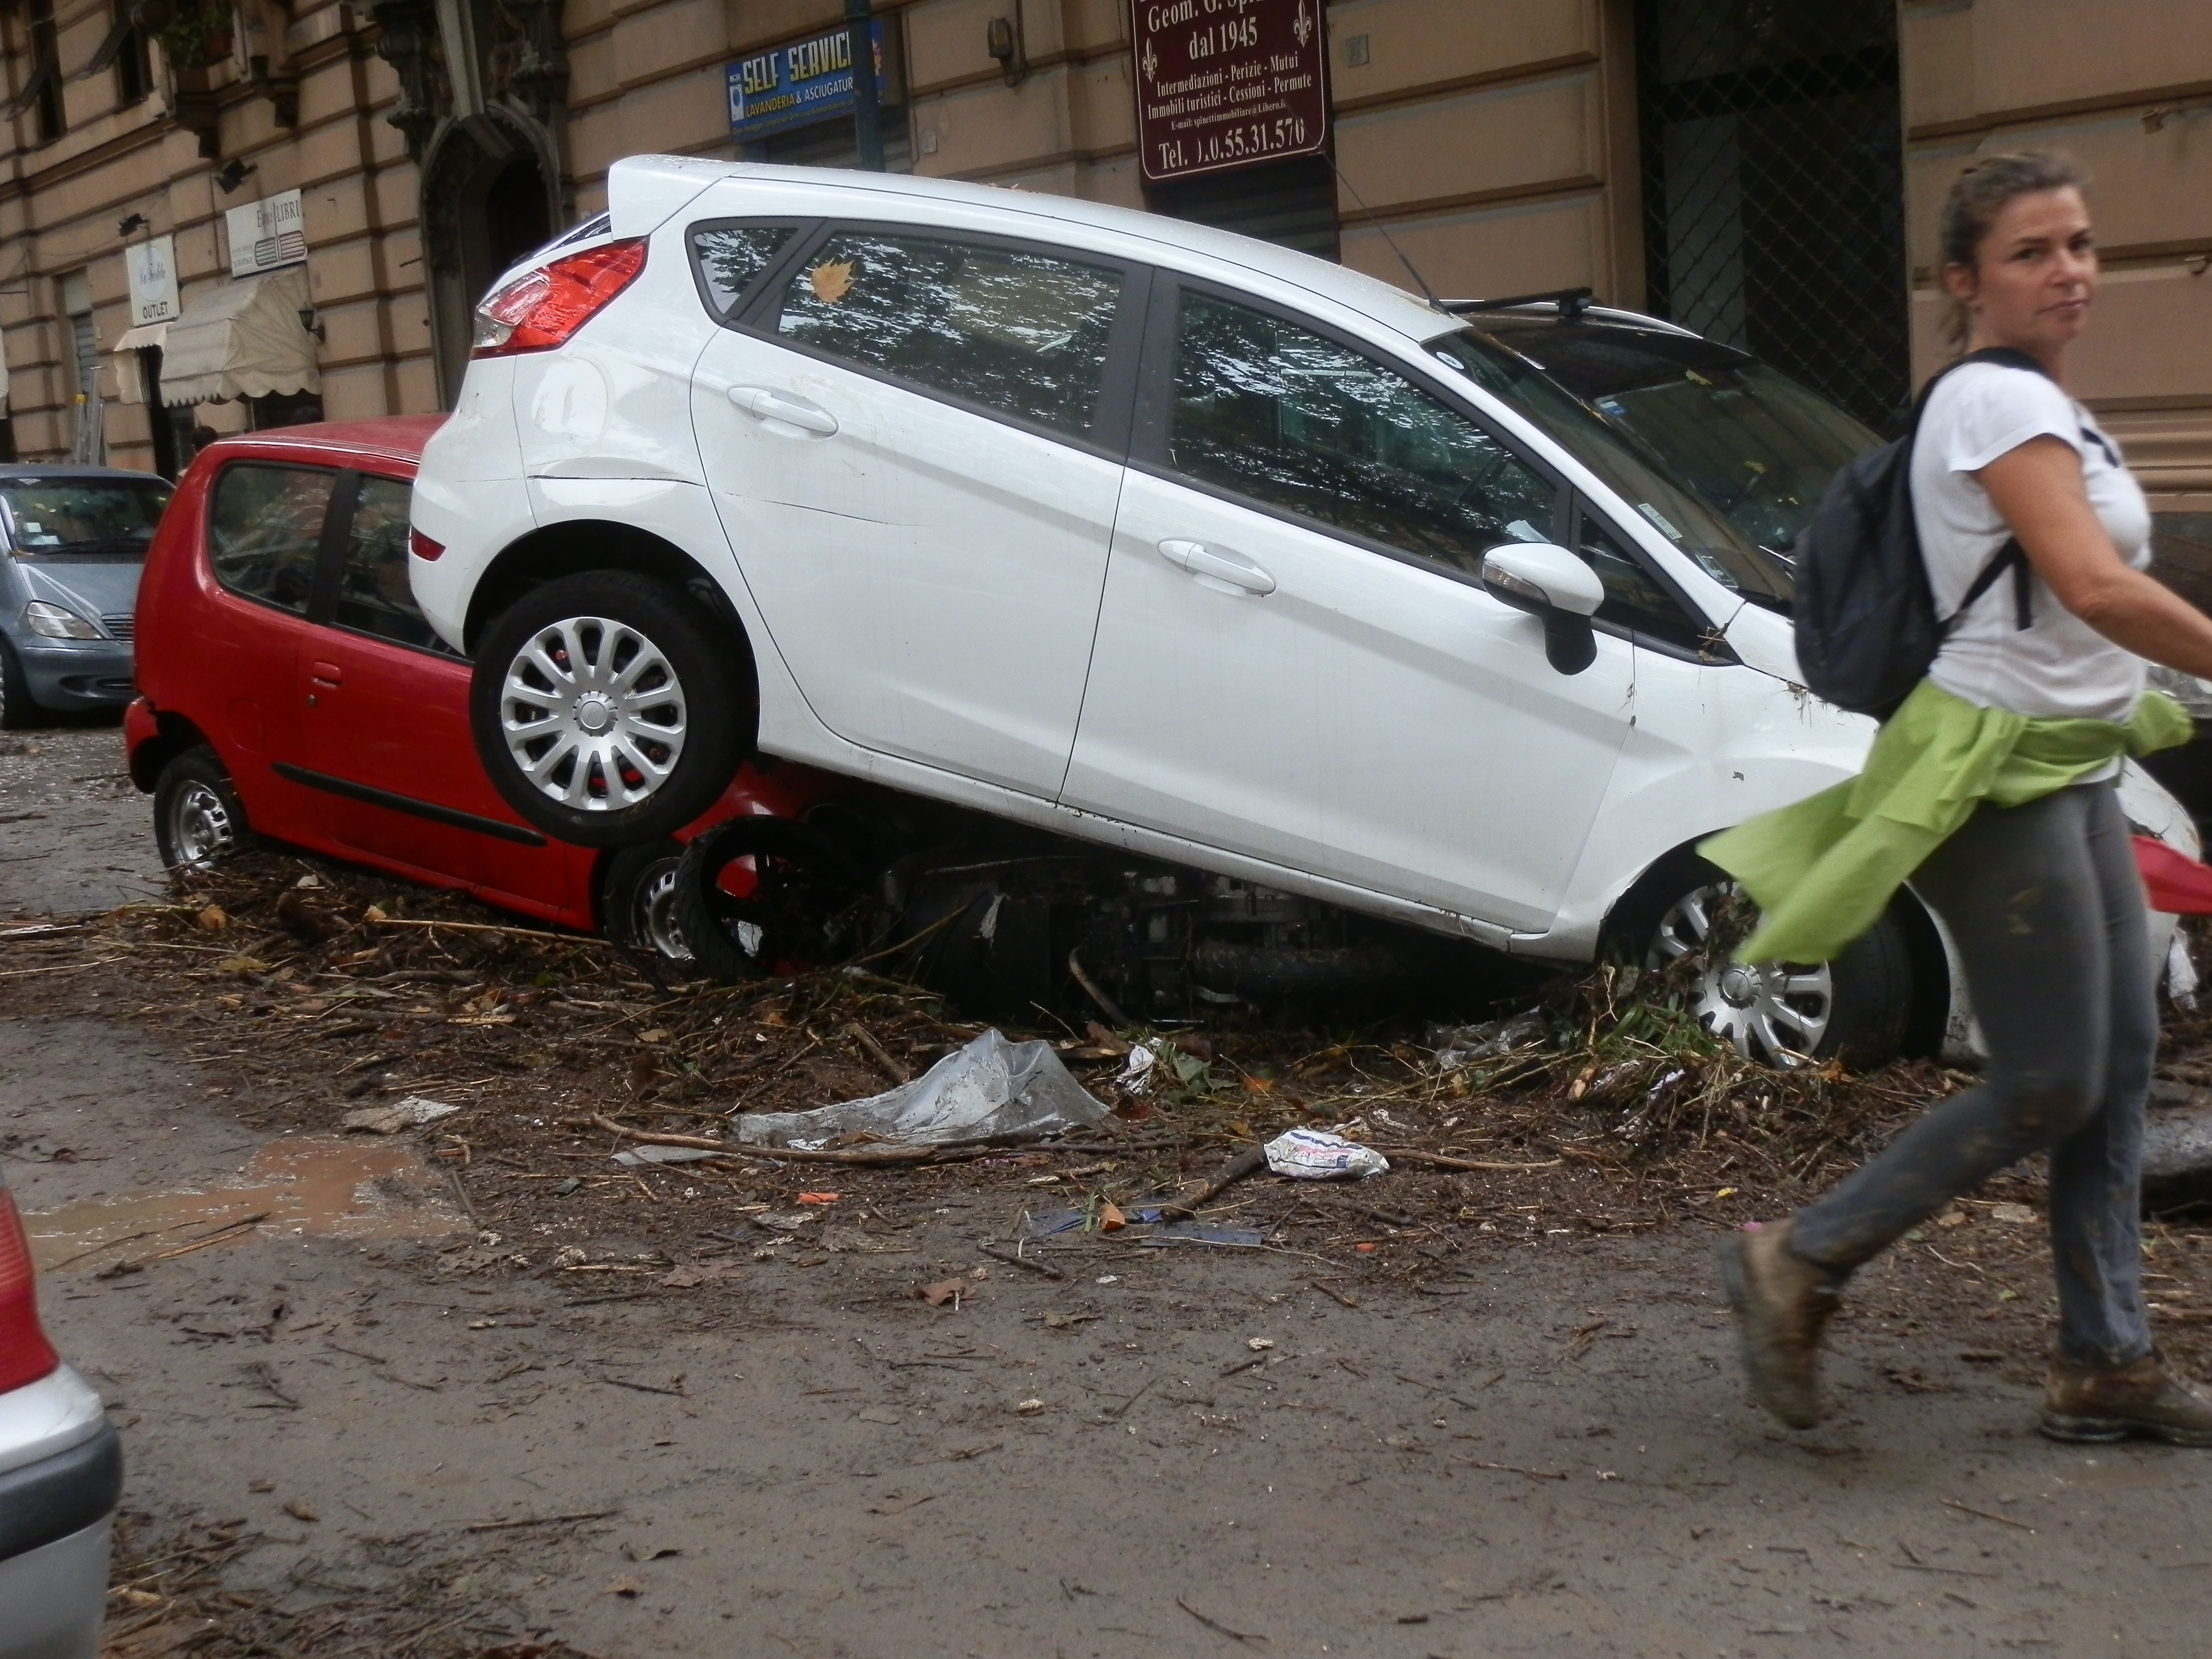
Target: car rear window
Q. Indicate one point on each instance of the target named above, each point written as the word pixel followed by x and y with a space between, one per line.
pixel 1019 334
pixel 730 258
pixel 264 524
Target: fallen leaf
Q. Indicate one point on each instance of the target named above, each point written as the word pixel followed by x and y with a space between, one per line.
pixel 656 1034
pixel 1029 1407
pixel 694 1273
pixel 944 1290
pixel 625 1586
pixel 817 1198
pixel 214 919
pixel 1110 1218
pixel 300 1511
pixel 831 280
pixel 899 1505
pixel 1258 1344
pixel 375 912
pixel 2019 1214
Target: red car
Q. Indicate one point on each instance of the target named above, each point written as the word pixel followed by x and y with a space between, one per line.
pixel 288 682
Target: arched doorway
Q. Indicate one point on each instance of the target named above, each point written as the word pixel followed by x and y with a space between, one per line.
pixel 486 202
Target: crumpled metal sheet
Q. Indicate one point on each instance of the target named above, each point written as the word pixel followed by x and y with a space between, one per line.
pixel 991 1089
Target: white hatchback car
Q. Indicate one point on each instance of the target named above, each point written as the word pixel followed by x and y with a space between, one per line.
pixel 1160 537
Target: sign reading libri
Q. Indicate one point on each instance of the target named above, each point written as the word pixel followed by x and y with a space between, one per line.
pixel 266 234
pixel 1224 83
pixel 800 82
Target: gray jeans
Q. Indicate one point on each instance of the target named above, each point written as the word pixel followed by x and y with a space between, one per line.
pixel 2045 907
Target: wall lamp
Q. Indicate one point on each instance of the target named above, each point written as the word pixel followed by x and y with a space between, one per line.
pixel 233 175
pixel 136 222
pixel 1003 38
pixel 314 324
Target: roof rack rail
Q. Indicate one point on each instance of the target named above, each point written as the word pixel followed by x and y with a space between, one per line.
pixel 1571 302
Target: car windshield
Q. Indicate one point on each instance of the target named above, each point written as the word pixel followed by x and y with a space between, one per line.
pixel 82 517
pixel 1725 457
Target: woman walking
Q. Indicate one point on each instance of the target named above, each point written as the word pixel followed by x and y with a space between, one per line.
pixel 1997 776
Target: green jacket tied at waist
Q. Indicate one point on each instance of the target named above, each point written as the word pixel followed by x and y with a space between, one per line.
pixel 1823 871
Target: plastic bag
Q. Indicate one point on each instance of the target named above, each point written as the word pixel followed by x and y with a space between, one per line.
pixel 992 1089
pixel 1317 1155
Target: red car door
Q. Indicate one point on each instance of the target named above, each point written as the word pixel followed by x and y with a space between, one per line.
pixel 385 726
pixel 264 527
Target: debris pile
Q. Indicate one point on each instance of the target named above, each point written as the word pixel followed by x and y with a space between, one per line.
pixel 569 1084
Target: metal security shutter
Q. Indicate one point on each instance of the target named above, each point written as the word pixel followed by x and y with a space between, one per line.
pixel 1773 186
pixel 90 445
pixel 1291 204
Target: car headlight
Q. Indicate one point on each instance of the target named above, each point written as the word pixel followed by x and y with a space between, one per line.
pixel 51 621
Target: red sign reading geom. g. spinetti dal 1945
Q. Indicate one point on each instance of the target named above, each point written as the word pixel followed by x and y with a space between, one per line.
pixel 1224 83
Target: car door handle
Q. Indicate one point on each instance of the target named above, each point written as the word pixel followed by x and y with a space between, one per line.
pixel 1217 567
pixel 764 405
pixel 328 675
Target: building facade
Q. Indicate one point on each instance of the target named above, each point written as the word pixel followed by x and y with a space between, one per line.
pixel 1765 171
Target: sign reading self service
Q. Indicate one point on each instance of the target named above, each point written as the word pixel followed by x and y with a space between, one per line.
pixel 1224 83
pixel 800 82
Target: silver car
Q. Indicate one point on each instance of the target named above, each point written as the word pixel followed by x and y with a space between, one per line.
pixel 61 1471
pixel 74 538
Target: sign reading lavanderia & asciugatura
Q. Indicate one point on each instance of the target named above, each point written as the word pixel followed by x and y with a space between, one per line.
pixel 1224 83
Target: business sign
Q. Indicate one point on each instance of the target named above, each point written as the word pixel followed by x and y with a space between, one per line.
pixel 152 267
pixel 1225 84
pixel 800 82
pixel 266 234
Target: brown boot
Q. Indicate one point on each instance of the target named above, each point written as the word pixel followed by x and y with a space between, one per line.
pixel 2096 1402
pixel 1781 1302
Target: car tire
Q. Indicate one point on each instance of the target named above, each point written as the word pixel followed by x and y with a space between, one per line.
pixel 801 883
pixel 688 717
pixel 1857 1008
pixel 198 820
pixel 17 708
pixel 637 900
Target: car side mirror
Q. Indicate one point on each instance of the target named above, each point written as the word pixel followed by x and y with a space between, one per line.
pixel 1551 583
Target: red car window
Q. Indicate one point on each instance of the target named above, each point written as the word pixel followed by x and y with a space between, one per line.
pixel 264 524
pixel 372 592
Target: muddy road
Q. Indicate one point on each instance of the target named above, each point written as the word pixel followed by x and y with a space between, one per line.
pixel 475 1391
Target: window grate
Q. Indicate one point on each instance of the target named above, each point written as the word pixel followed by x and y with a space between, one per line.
pixel 1773 187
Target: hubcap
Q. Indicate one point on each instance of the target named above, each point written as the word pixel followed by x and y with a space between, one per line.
pixel 594 713
pixel 1773 1012
pixel 200 827
pixel 656 913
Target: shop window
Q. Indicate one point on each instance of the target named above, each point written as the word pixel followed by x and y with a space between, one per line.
pixel 1774 187
pixel 283 409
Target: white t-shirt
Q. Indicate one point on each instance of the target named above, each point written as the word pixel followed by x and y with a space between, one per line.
pixel 2058 667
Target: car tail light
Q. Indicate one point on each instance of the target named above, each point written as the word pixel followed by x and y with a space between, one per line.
pixel 542 309
pixel 25 1354
pixel 422 547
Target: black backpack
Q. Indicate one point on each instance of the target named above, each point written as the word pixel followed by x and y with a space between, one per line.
pixel 1865 618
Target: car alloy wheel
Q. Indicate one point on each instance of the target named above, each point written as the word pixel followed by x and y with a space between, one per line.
pixel 1775 1013
pixel 594 713
pixel 197 821
pixel 654 919
pixel 201 831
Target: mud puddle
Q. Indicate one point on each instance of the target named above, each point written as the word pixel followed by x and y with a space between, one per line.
pixel 299 1187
